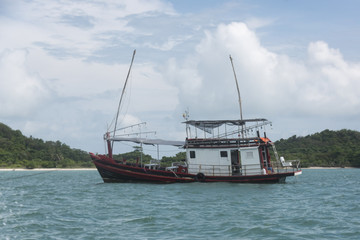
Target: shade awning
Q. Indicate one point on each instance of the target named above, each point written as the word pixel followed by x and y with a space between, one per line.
pixel 209 125
pixel 149 141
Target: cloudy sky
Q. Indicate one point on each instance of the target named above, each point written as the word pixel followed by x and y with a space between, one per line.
pixel 63 65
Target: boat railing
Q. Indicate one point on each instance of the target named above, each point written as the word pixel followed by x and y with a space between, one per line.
pixel 280 165
pixel 220 142
pixel 290 166
pixel 242 170
pixel 226 170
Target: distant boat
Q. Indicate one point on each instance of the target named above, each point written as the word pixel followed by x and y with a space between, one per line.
pixel 227 151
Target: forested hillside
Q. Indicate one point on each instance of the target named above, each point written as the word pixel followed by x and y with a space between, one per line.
pixel 18 151
pixel 325 149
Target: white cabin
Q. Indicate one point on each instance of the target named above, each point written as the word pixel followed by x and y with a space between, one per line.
pixel 224 161
pixel 223 155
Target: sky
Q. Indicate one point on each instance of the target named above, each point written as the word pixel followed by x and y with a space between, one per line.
pixel 63 65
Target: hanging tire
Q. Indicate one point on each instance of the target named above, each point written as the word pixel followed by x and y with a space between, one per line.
pixel 200 177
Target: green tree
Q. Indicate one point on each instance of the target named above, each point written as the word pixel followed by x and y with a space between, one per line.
pixel 17 150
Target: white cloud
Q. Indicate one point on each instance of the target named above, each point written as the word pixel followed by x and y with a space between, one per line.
pixel 21 91
pixel 56 80
pixel 169 44
pixel 270 84
pixel 254 22
pixel 334 83
pixel 75 29
pixel 74 100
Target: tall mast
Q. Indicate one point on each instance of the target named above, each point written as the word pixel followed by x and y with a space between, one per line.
pixel 238 91
pixel 123 91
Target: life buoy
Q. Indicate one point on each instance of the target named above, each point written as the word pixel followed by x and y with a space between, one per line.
pixel 200 177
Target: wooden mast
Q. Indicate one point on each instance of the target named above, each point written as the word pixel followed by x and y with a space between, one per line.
pixel 122 95
pixel 238 91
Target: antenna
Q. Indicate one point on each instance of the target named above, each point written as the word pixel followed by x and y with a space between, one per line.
pixel 237 87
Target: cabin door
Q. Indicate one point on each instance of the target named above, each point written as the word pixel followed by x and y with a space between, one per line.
pixel 235 162
pixel 250 161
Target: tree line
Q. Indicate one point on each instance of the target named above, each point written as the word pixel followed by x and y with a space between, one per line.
pixel 325 149
pixel 137 156
pixel 19 151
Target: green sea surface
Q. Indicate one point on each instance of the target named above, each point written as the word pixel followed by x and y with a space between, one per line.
pixel 319 204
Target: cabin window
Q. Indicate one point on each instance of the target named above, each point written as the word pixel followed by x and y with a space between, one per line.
pixel 249 155
pixel 192 154
pixel 223 154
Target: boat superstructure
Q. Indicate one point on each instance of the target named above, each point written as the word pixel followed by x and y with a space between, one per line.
pixel 233 151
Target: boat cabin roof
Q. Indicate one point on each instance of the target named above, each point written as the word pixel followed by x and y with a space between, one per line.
pixel 208 125
pixel 217 123
pixel 148 141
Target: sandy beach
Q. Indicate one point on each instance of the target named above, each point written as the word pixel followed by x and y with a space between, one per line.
pixel 326 167
pixel 47 169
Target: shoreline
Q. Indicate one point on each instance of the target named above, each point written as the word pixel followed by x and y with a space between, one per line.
pixel 47 169
pixel 92 169
pixel 328 168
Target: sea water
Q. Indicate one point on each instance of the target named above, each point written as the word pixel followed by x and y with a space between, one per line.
pixel 319 204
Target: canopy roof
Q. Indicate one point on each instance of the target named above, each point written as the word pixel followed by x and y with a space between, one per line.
pixel 149 141
pixel 209 125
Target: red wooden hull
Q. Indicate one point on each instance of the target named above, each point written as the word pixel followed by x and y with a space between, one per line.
pixel 112 171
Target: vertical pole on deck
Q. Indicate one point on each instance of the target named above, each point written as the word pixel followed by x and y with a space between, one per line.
pixel 122 95
pixel 238 91
pixel 158 153
pixel 141 154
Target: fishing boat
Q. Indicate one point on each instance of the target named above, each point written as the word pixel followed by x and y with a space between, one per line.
pixel 235 151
